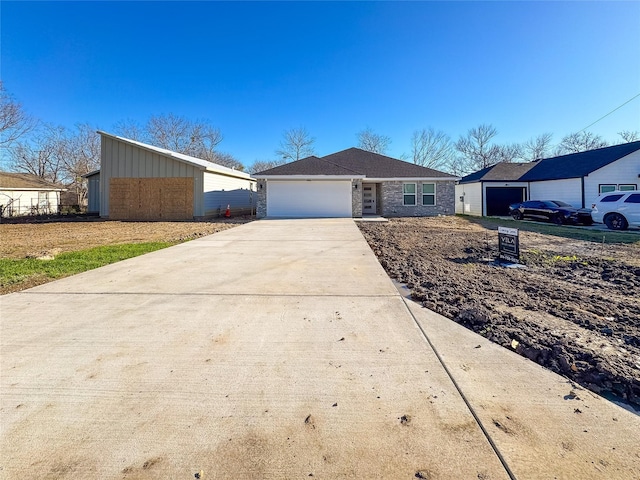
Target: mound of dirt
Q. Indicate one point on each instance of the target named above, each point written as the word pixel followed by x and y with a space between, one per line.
pixel 574 309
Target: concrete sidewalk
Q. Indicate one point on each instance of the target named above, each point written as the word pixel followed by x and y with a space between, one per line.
pixel 279 349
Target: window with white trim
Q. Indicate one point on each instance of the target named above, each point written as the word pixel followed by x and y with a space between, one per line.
pixel 607 188
pixel 626 188
pixel 429 194
pixel 409 194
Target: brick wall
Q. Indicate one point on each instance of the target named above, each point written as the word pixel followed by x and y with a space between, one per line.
pixel 261 205
pixel 392 200
pixel 356 198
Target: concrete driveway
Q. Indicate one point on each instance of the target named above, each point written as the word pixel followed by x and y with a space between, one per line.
pixel 279 349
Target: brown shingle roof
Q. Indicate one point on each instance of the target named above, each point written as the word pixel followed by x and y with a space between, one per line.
pixel 500 172
pixel 309 166
pixel 355 161
pixel 26 181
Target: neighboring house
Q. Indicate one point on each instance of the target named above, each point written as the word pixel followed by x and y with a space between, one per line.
pixel 577 179
pixel 137 181
pixel 26 194
pixel 353 183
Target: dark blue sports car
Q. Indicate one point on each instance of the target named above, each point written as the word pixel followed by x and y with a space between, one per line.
pixel 554 211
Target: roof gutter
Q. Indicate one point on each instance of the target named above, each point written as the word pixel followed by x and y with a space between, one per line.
pixel 413 179
pixel 310 177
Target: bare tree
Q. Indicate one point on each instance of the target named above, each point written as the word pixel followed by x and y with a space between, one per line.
pixel 537 148
pixel 195 138
pixel 42 154
pixel 130 129
pixel 227 160
pixel 262 165
pixel 508 153
pixel 580 142
pixel 629 136
pixel 475 148
pixel 457 166
pixel 430 148
pixel 82 155
pixel 173 132
pixel 373 142
pixel 297 143
pixel 14 121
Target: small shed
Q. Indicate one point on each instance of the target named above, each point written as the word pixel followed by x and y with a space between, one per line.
pixel 27 194
pixel 137 181
pixel 93 191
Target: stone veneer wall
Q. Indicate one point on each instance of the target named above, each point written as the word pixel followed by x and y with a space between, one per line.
pixel 392 201
pixel 356 198
pixel 261 204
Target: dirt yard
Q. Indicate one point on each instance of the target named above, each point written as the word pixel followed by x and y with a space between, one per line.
pixel 23 239
pixel 574 309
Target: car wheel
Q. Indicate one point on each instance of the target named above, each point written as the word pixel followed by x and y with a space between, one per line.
pixel 517 215
pixel 557 219
pixel 615 221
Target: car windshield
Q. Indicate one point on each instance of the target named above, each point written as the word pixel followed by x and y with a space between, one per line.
pixel 557 203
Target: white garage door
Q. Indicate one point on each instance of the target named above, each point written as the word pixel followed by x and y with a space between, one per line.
pixel 314 198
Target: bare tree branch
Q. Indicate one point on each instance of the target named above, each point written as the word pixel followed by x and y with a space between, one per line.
pixel 195 138
pixel 262 165
pixel 296 144
pixel 227 160
pixel 580 142
pixel 82 155
pixel 629 136
pixel 475 147
pixel 537 148
pixel 130 129
pixel 430 148
pixel 42 155
pixel 14 121
pixel 373 142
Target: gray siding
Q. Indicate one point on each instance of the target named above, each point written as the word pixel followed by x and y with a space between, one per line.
pixel 93 193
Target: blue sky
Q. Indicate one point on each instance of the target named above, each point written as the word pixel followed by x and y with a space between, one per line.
pixel 255 69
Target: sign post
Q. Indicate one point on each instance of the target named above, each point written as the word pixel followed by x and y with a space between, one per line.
pixel 508 245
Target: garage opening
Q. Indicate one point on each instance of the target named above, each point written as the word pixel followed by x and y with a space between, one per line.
pixel 498 199
pixel 307 199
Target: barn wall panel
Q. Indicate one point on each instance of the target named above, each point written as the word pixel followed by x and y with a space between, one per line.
pixel 151 198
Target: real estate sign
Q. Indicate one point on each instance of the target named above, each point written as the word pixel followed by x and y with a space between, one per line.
pixel 508 245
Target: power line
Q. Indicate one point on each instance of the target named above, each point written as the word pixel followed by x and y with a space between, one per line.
pixel 604 116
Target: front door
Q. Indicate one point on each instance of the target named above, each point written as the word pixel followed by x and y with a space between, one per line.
pixel 369 199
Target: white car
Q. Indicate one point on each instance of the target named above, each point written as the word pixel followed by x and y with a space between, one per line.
pixel 618 210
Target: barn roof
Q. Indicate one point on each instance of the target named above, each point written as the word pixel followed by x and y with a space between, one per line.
pixel 180 157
